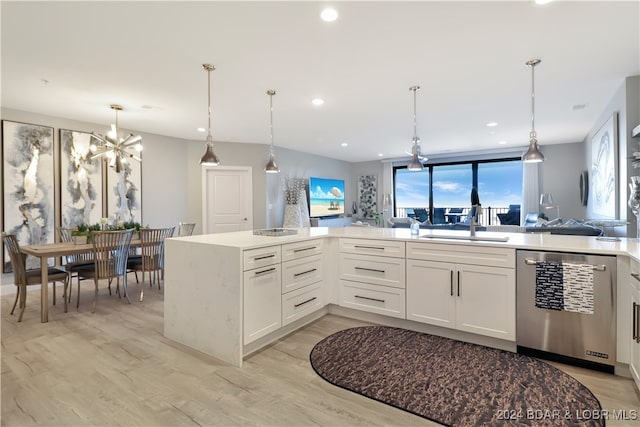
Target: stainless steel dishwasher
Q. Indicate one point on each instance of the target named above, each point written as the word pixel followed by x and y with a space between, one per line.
pixel 549 327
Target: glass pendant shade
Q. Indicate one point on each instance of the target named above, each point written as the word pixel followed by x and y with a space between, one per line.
pixel 209 158
pixel 533 154
pixel 271 166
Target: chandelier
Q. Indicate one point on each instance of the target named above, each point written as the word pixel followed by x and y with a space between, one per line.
pixel 533 154
pixel 272 166
pixel 416 158
pixel 115 149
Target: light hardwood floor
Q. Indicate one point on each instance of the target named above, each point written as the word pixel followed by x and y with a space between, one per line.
pixel 115 367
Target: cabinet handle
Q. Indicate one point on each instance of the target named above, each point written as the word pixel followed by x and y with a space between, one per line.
pixel 304 272
pixel 636 276
pixel 369 247
pixel 258 258
pixel 304 302
pixel 636 322
pixel 458 283
pixel 304 249
pixel 451 282
pixel 268 270
pixel 369 269
pixel 370 299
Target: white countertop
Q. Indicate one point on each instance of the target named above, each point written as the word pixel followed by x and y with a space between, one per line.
pixel 532 241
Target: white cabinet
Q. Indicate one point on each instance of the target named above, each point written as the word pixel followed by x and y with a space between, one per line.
pixel 302 278
pixel 463 295
pixel 262 292
pixel 372 276
pixel 634 355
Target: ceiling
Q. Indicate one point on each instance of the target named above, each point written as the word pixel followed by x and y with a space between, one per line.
pixel 74 59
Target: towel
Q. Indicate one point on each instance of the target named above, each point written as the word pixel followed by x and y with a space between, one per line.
pixel 564 286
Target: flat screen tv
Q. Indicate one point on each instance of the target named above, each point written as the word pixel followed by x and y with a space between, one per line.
pixel 326 197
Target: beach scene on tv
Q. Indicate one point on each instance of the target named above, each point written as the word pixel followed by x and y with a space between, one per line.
pixel 326 197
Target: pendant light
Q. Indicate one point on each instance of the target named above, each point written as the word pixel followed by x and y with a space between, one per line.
pixel 114 148
pixel 533 154
pixel 416 164
pixel 209 158
pixel 272 166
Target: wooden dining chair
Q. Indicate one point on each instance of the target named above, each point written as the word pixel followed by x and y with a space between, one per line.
pixel 74 263
pixel 151 258
pixel 110 255
pixel 185 228
pixel 23 277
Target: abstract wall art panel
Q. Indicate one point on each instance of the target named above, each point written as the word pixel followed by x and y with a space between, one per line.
pixel 604 169
pixel 124 192
pixel 368 195
pixel 81 180
pixel 28 185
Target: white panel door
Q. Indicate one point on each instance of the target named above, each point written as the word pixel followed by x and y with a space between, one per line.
pixel 227 199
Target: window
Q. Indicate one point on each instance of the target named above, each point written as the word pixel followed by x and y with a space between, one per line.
pixel 411 190
pixel 445 189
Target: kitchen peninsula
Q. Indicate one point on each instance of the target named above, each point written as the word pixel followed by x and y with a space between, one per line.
pixel 230 294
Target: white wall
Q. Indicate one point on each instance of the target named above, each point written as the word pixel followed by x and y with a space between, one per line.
pixel 560 176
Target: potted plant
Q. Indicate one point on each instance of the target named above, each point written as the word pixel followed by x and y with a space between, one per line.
pixel 81 234
pixel 136 228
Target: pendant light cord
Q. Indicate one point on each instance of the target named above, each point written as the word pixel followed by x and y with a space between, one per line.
pixel 532 63
pixel 415 126
pixel 271 93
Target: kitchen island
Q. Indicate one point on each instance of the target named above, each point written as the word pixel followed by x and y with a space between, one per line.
pixel 228 295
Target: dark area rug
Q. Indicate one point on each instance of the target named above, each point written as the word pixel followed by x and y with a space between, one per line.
pixel 452 382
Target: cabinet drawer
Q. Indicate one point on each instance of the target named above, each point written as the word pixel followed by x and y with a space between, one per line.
pixel 254 258
pixel 299 303
pixel 385 248
pixel 307 248
pixel 477 255
pixel 373 298
pixel 301 272
pixel 373 269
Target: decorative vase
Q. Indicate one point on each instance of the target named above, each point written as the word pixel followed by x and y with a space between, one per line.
pixel 292 217
pixel 634 201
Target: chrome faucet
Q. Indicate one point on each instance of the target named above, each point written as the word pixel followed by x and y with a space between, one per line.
pixel 472 224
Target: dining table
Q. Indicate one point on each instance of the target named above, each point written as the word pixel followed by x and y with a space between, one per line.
pixel 45 251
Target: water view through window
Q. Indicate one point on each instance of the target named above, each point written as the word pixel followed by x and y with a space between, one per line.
pixel 448 186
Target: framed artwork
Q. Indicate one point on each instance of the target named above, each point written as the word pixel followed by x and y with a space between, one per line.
pixel 368 195
pixel 28 185
pixel 124 192
pixel 604 169
pixel 81 180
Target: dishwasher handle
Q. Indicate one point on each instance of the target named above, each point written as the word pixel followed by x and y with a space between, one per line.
pixel 530 261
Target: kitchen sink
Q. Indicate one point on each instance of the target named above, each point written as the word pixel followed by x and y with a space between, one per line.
pixel 472 238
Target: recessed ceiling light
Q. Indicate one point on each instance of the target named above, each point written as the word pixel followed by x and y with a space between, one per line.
pixel 317 101
pixel 329 15
pixel 380 154
pixel 344 144
pixel 578 107
pixel 502 142
pixel 492 124
pixel 543 1
pixel 201 130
